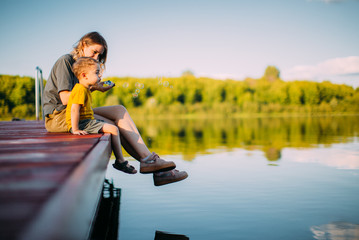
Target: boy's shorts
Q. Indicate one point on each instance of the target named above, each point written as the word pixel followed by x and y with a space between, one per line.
pixel 90 125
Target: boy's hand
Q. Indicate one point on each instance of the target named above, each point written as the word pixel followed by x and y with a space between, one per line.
pixel 79 132
pixel 100 87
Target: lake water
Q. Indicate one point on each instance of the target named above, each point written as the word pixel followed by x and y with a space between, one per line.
pixel 252 178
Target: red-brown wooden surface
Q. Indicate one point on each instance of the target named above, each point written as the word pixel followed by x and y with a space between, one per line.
pixel 33 165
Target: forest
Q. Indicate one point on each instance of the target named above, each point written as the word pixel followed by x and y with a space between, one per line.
pixel 192 96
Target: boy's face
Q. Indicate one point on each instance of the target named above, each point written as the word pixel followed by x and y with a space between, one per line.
pixel 94 74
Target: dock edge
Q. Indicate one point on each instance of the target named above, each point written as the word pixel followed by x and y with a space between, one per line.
pixel 70 212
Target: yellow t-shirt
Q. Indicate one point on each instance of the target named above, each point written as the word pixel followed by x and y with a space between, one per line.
pixel 80 95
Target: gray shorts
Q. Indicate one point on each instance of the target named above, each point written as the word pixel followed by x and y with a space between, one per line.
pixel 90 125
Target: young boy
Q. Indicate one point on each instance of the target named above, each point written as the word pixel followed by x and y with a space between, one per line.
pixel 80 116
pixel 80 120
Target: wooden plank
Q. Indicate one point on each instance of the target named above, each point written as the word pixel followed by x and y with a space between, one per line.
pixel 36 166
pixel 72 208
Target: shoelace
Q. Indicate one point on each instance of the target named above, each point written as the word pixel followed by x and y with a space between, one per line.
pixel 166 174
pixel 174 171
pixel 153 158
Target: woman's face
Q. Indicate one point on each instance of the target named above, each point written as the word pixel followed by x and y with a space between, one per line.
pixel 93 51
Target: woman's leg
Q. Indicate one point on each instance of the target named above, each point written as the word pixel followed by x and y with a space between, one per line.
pixel 129 149
pixel 130 137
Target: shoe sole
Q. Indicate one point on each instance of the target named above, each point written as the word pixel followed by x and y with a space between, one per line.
pixel 154 169
pixel 170 181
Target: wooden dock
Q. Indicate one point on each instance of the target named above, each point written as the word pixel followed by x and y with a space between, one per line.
pixel 50 183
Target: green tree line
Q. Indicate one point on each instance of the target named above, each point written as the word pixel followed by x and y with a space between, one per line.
pixel 188 94
pixel 17 97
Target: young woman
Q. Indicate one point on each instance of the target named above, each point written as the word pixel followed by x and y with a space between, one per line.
pixel 56 95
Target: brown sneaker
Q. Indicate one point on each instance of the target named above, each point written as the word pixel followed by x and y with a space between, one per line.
pixel 169 177
pixel 155 164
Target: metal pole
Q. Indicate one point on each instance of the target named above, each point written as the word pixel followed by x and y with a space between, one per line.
pixel 37 94
pixel 41 94
pixel 39 84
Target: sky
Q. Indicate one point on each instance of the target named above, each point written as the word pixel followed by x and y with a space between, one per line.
pixel 223 39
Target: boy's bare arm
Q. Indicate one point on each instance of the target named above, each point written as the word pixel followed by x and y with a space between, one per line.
pixel 75 118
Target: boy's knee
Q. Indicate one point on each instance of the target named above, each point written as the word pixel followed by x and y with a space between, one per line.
pixel 114 129
pixel 110 128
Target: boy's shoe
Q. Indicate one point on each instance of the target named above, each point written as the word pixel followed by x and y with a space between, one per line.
pixel 163 178
pixel 124 167
pixel 154 163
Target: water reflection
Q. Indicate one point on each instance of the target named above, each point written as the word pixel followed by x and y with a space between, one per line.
pixel 270 135
pixel 106 222
pixel 340 156
pixel 336 231
pixel 160 235
pixel 231 193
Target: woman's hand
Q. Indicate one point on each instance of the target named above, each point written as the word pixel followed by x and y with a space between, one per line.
pixel 100 87
pixel 79 132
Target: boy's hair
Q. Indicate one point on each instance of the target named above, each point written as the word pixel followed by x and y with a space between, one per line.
pixel 82 65
pixel 88 40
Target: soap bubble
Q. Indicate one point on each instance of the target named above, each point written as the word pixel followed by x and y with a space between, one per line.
pixel 137 91
pixel 165 84
pixel 134 95
pixel 125 85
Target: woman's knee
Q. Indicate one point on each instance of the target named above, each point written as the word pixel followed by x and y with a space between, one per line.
pixel 113 113
pixel 120 112
pixel 121 109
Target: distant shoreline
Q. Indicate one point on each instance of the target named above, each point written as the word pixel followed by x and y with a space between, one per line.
pixel 173 116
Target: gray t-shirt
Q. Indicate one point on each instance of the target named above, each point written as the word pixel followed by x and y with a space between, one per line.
pixel 61 79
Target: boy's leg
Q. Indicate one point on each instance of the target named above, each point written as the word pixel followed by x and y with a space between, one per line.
pixel 120 162
pixel 115 140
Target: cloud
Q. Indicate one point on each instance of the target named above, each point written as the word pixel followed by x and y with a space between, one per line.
pixel 330 1
pixel 327 1
pixel 324 70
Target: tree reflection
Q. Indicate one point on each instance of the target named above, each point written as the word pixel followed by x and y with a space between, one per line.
pixel 270 135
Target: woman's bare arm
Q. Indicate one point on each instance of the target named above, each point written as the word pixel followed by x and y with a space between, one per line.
pixel 64 96
pixel 100 87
